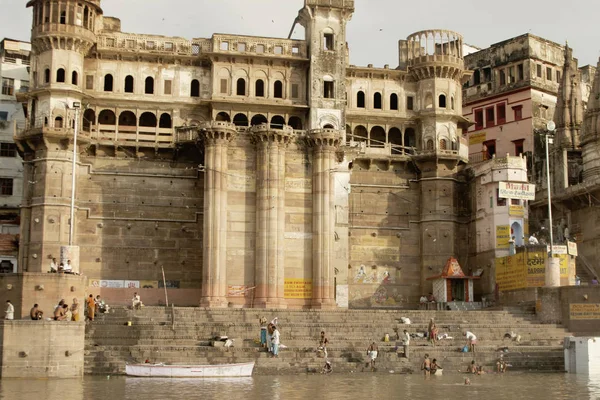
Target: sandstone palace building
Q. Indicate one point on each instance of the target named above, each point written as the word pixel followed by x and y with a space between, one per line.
pixel 256 172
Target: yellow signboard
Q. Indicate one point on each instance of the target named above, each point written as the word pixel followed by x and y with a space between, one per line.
pixel 511 272
pixel 477 138
pixel 297 289
pixel 584 311
pixel 502 236
pixel 536 268
pixel 516 211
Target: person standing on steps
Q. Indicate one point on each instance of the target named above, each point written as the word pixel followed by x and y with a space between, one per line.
pixel 372 352
pixel 269 338
pixel 471 340
pixel 9 313
pixel 75 310
pixel 323 344
pixel 262 322
pixel 275 341
pixel 91 307
pixel 432 331
pixel 406 342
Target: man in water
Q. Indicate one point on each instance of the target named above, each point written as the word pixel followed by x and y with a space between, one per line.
pixel 372 352
pixel 426 366
pixel 435 366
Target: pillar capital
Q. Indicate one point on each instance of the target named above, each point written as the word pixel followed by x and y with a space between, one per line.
pixel 215 132
pixel 264 133
pixel 326 138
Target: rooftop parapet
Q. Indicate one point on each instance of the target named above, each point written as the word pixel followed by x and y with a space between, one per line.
pixel 432 46
pixel 219 43
pixel 348 4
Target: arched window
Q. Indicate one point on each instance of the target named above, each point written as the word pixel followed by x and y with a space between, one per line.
pixel 443 144
pixel 452 102
pixel 377 137
pixel 148 119
pixel 241 87
pixel 108 83
pixel 258 119
pixel 107 117
pixel 58 122
pixel 429 144
pixel 377 101
pixel 260 88
pixel 277 122
pixel 360 99
pixel 295 123
pixel 360 134
pixel 393 101
pixel 428 100
pixel 410 138
pixel 129 84
pixel 165 121
pixel 149 87
pixel 60 75
pixel 195 90
pixel 278 90
pixel 127 118
pixel 223 117
pixel 442 101
pixel 240 120
pixel 74 78
pixel 47 75
pixel 89 119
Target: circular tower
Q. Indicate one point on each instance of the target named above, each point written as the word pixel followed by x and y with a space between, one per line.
pixel 435 61
pixel 63 31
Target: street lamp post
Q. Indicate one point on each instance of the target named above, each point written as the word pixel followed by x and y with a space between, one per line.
pixel 69 255
pixel 552 278
pixel 76 106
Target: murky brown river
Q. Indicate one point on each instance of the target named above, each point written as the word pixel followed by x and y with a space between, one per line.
pixel 313 387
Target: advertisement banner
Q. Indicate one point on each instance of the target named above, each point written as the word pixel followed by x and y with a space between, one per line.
pixel 477 138
pixel 584 311
pixel 523 191
pixel 516 211
pixel 502 236
pixel 236 290
pixel 572 249
pixel 511 272
pixel 297 289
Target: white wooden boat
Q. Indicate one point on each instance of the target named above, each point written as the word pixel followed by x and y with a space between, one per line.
pixel 190 371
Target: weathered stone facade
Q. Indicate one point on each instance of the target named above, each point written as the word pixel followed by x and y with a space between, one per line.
pixel 258 171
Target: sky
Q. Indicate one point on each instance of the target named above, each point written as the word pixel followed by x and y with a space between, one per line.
pixel 373 33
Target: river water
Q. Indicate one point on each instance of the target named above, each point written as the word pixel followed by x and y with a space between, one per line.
pixel 359 386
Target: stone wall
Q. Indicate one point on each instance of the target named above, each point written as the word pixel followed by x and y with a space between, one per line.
pixel 26 289
pixel 41 349
pixel 576 307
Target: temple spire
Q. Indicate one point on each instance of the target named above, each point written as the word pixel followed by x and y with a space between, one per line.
pixel 569 106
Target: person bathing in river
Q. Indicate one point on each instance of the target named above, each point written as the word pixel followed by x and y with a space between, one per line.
pixel 426 366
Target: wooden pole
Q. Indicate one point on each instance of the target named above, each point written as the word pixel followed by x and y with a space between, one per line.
pixel 165 285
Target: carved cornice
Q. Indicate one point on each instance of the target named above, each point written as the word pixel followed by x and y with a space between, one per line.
pixel 325 138
pixel 217 132
pixel 266 134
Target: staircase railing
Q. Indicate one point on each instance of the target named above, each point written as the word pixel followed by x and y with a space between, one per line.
pixel 591 270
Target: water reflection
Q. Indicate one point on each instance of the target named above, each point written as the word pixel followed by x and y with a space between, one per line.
pixel 310 387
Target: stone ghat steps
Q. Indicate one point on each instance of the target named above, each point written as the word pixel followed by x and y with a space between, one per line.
pixel 354 343
pixel 112 359
pixel 110 343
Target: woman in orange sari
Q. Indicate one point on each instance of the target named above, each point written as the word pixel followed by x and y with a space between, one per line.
pixel 91 307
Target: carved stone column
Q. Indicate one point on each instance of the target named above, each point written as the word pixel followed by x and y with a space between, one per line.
pixel 270 214
pixel 325 143
pixel 216 136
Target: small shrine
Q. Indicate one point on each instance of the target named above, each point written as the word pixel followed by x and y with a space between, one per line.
pixel 452 285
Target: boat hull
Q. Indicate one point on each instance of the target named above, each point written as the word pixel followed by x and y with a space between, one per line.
pixel 190 371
